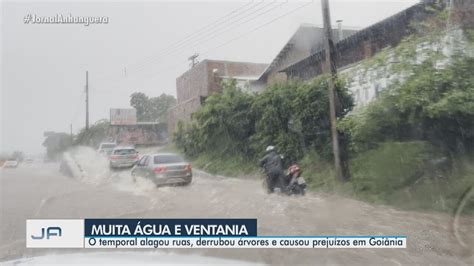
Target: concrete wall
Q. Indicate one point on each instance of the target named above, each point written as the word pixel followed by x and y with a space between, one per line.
pixel 367 82
pixel 139 134
pixel 363 44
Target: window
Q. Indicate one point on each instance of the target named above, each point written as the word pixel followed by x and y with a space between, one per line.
pixel 164 159
pixel 124 151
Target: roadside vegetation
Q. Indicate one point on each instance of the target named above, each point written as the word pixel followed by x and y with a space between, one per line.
pixel 149 109
pixel 413 147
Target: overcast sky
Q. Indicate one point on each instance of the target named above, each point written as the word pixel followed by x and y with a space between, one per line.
pixel 43 65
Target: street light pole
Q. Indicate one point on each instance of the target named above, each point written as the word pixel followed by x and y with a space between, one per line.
pixel 330 67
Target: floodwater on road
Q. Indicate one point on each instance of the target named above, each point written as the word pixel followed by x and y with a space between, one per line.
pixel 40 191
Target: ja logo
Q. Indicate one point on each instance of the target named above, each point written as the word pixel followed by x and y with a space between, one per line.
pixel 48 232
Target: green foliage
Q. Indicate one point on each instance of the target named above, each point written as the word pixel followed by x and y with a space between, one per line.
pixel 410 175
pixel 312 109
pixel 224 122
pixel 151 109
pixel 318 172
pixel 188 138
pixel 391 166
pixel 434 104
pixel 274 110
pixel 56 144
pixel 97 133
pixel 233 165
pixel 290 116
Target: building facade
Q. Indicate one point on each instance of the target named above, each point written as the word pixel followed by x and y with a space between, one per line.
pixel 307 40
pixel 204 79
pixel 366 82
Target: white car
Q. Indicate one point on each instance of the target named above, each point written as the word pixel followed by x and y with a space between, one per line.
pixel 106 148
pixel 12 163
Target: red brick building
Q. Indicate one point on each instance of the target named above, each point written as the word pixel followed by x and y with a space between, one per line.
pixel 204 79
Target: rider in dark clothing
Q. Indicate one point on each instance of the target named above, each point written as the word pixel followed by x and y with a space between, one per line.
pixel 273 169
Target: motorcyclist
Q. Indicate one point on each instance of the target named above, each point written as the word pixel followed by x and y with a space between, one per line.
pixel 273 169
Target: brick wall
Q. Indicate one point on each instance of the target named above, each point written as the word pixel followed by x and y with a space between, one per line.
pixel 201 81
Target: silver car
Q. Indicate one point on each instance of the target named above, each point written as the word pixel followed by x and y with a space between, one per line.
pixel 164 169
pixel 106 148
pixel 123 157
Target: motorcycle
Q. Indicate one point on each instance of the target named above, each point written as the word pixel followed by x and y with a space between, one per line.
pixel 294 183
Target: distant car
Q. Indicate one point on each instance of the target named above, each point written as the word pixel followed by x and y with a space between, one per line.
pixel 164 169
pixel 10 163
pixel 106 148
pixel 123 157
pixel 29 160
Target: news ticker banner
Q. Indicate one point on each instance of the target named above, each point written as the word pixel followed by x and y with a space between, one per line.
pixel 181 233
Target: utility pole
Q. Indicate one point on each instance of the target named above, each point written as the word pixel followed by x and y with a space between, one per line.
pixel 72 139
pixel 193 59
pixel 330 67
pixel 87 100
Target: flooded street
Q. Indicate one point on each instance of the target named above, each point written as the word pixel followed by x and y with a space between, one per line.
pixel 40 191
pixel 341 106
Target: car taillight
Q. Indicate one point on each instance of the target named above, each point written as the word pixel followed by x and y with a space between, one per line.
pixel 159 170
pixel 188 168
pixel 113 157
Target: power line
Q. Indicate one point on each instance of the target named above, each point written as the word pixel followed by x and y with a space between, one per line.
pixel 211 35
pixel 216 33
pixel 181 63
pixel 173 46
pixel 191 36
pixel 236 38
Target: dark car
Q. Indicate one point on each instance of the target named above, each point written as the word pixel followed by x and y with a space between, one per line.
pixel 164 169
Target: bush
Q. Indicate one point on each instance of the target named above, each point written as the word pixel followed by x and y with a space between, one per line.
pixel 391 166
pixel 273 111
pixel 436 105
pixel 291 116
pixel 97 133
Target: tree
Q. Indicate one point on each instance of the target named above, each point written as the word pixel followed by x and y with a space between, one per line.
pixel 274 112
pixel 291 116
pixel 151 109
pixel 311 107
pixel 18 155
pixel 56 143
pixel 97 133
pixel 225 122
pixel 141 103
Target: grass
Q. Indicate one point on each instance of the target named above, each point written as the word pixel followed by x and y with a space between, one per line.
pixel 229 165
pixel 226 165
pixel 405 175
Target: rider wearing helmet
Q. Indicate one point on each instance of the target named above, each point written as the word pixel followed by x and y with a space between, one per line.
pixel 273 168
